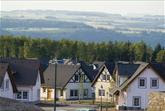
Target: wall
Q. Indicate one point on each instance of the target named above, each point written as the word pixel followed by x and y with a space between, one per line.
pixel 133 90
pixel 156 101
pixel 7 93
pixel 70 86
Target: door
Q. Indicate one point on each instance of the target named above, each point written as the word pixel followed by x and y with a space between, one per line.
pixel 49 94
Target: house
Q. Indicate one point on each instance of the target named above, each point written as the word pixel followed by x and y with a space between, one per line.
pixel 7 85
pixel 135 81
pixel 73 82
pixel 103 81
pixel 25 77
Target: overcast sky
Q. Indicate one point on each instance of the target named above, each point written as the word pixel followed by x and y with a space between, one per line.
pixel 118 7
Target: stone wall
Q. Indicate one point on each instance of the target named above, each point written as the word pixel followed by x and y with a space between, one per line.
pixel 156 101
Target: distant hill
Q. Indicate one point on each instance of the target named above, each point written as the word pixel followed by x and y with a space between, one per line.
pixel 85 26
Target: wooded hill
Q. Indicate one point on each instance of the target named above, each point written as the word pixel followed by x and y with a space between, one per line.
pixel 26 47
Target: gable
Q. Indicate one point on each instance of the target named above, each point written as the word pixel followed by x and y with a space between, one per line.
pixel 3 70
pixel 148 73
pixel 64 74
pixel 102 72
pixel 79 77
pixel 141 70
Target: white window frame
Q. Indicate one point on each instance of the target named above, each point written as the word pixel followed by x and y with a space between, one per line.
pixel 133 101
pixel 154 87
pixel 145 82
pixel 22 95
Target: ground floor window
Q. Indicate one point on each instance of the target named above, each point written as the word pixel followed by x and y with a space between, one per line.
pixel 101 92
pixel 85 92
pixel 74 92
pixel 136 101
pixel 24 95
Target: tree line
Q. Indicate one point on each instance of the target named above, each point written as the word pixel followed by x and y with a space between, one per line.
pixel 26 47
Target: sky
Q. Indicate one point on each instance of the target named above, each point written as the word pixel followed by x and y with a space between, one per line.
pixel 148 7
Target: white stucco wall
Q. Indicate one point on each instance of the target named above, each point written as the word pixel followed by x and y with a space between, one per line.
pixel 73 86
pixel 7 93
pixel 32 91
pixel 106 86
pixel 133 89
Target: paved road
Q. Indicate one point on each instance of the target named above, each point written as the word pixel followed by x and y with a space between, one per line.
pixel 72 107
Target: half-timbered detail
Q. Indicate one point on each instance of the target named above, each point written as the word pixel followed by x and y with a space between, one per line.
pixel 73 80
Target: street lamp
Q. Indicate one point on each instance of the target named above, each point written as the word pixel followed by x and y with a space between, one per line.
pixel 55 80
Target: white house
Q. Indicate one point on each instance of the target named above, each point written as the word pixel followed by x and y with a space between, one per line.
pixel 73 82
pixel 25 77
pixel 103 82
pixel 7 87
pixel 133 92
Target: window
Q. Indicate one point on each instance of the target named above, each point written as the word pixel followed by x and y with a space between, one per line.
pixel 104 77
pixel 108 77
pixel 85 92
pixel 25 95
pixel 73 93
pixel 22 95
pixel 76 77
pixel 7 84
pixel 76 93
pixel 136 101
pixel 44 90
pixel 142 82
pixel 154 83
pixel 19 95
pixel 101 92
pixel 61 92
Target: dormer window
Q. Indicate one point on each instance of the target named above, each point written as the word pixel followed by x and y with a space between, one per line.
pixel 154 83
pixel 142 83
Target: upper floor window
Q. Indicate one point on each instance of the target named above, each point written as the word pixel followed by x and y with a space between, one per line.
pixel 76 77
pixel 7 84
pixel 104 77
pixel 108 77
pixel 142 83
pixel 154 83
